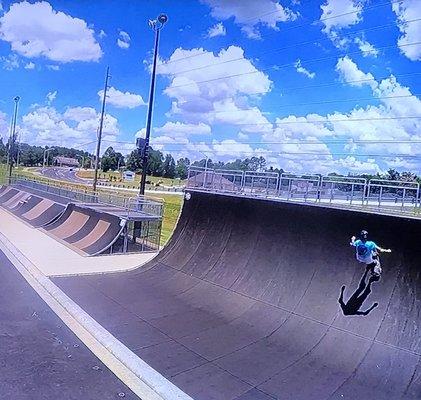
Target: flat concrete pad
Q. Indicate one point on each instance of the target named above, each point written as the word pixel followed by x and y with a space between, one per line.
pixel 41 357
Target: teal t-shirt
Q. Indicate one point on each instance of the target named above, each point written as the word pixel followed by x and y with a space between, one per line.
pixel 364 250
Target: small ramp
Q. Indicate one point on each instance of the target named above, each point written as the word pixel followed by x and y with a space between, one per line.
pixel 86 230
pixel 39 211
pixel 8 194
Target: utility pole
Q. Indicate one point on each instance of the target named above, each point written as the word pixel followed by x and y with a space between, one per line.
pixel 10 154
pixel 101 125
pixel 18 155
pixel 156 26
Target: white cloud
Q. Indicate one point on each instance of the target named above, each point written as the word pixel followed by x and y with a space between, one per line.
pixel 216 30
pixel 122 99
pixel 4 127
pixel 30 65
pixel 178 129
pixel 251 14
pixel 102 34
pixel 300 69
pixel 10 62
pixel 366 48
pixel 76 127
pixel 37 30
pixel 376 123
pixel 338 15
pixel 351 74
pixel 80 114
pixel 407 10
pixel 51 96
pixel 218 100
pixel 348 11
pixel 123 40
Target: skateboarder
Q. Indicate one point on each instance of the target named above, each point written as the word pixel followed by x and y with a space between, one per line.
pixel 367 252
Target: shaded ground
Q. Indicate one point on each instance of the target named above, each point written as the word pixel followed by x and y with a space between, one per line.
pixel 40 358
pixel 243 304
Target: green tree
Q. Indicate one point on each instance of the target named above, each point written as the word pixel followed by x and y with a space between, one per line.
pixel 169 167
pixel 182 168
pixel 134 161
pixel 393 175
pixel 2 151
pixel 109 160
pixel 155 165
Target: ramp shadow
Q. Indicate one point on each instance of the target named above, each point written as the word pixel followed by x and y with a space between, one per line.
pixel 356 301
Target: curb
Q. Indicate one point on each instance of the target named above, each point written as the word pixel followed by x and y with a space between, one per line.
pixel 142 379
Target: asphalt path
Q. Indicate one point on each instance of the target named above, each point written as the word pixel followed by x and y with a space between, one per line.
pixel 41 358
pixel 63 174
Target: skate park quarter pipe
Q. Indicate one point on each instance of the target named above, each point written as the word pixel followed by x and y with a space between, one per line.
pixel 243 304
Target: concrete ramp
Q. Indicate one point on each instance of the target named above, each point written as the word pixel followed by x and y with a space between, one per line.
pixel 243 304
pixel 8 194
pixel 39 211
pixel 87 230
pixel 16 201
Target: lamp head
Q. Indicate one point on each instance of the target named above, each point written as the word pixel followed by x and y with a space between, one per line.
pixel 163 18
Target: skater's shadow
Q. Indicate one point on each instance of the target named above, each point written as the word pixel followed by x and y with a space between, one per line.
pixel 355 302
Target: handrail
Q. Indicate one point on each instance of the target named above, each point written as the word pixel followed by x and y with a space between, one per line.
pixel 336 190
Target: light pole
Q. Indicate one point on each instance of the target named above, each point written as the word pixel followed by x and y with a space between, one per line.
pixel 156 26
pixel 45 159
pixel 101 125
pixel 10 156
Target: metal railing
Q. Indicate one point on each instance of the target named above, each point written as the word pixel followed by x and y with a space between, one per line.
pixel 129 204
pixel 394 197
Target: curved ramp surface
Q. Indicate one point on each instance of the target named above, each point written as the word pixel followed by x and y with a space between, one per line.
pixel 243 304
pixel 40 213
pixel 85 229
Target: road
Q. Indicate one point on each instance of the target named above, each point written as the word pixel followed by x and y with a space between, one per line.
pixel 63 174
pixel 41 357
pixel 243 304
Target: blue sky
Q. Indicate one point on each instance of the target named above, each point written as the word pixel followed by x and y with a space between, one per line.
pixel 314 86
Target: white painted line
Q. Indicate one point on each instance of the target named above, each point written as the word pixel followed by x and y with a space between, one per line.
pixel 142 379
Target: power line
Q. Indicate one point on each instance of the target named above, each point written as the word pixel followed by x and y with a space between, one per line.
pixel 325 121
pixel 288 65
pixel 300 26
pixel 263 152
pixel 294 88
pixel 352 34
pixel 310 103
pixel 301 142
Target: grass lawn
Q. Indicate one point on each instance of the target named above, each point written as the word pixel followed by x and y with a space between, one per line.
pixel 115 177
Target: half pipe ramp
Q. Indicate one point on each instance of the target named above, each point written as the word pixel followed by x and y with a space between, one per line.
pixel 243 304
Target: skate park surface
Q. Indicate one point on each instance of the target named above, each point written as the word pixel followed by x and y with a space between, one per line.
pixel 53 258
pixel 41 357
pixel 243 304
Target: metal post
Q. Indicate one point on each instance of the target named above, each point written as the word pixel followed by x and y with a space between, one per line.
pixel 403 198
pixel 101 125
pixel 156 26
pixel 10 157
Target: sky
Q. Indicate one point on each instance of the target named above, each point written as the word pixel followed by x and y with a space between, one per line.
pixel 313 86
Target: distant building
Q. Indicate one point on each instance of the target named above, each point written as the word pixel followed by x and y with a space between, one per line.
pixel 65 162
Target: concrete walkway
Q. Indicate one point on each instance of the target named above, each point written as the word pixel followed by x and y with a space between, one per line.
pixel 41 357
pixel 55 259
